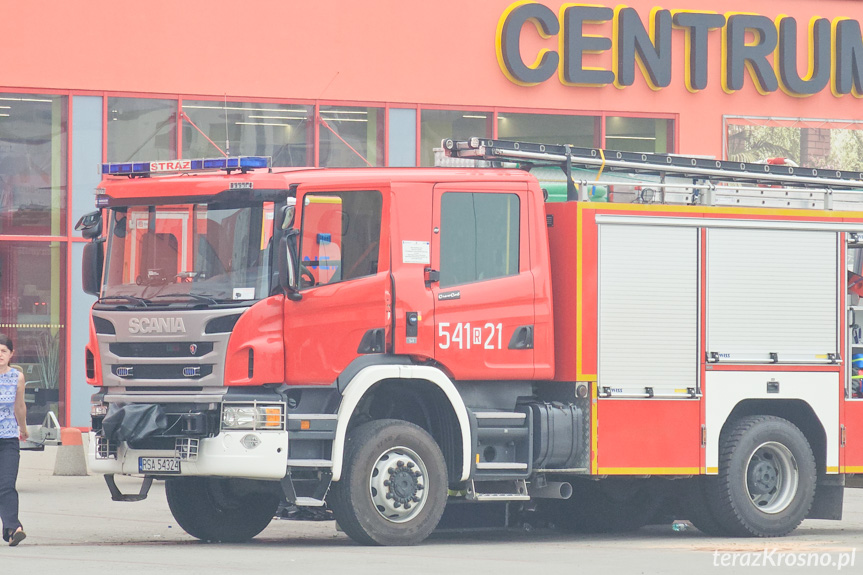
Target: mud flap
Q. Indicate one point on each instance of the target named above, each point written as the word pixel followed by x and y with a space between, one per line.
pixel 829 495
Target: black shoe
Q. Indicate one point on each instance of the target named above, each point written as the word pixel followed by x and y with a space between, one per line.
pixel 17 537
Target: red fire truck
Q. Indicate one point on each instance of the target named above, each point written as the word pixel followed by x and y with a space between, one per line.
pixel 676 338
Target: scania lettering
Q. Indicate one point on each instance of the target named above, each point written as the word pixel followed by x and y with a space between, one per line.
pixel 596 339
pixel 156 325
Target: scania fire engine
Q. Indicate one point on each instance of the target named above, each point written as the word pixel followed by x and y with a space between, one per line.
pixel 675 338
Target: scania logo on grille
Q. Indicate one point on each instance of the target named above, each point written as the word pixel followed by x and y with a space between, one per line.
pixel 156 325
pixel 193 349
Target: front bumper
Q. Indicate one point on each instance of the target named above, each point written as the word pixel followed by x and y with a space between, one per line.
pixel 221 456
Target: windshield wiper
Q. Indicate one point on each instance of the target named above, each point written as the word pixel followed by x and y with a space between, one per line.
pixel 196 296
pixel 130 298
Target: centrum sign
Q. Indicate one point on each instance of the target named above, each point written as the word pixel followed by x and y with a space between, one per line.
pixel 752 44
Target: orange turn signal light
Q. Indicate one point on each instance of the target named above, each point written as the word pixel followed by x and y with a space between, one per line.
pixel 273 417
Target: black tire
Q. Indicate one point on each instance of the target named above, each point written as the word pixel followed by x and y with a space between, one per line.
pixel 371 512
pixel 216 509
pixel 767 477
pixel 611 505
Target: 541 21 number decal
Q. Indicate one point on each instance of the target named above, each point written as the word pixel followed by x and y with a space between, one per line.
pixel 464 336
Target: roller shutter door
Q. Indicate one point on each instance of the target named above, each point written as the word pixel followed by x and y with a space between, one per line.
pixel 648 309
pixel 771 292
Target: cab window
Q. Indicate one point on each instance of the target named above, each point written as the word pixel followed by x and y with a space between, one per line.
pixel 340 236
pixel 479 237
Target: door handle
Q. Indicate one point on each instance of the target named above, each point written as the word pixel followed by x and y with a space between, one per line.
pixel 522 338
pixel 431 276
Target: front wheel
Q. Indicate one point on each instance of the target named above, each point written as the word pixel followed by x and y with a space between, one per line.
pixel 393 488
pixel 216 509
pixel 766 481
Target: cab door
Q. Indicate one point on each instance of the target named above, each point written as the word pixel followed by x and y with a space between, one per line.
pixel 482 287
pixel 344 306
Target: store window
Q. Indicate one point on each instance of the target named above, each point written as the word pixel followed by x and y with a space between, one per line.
pixel 650 135
pixel 437 125
pixel 580 131
pixel 141 129
pixel 821 144
pixel 284 132
pixel 33 278
pixel 479 237
pixel 351 137
pixel 33 151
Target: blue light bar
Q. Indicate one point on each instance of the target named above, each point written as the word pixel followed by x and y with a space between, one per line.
pixel 252 162
pixel 177 166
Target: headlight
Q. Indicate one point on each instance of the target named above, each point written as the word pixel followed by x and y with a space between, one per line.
pixel 253 416
pixel 237 417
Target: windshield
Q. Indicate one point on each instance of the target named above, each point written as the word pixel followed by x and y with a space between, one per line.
pixel 194 253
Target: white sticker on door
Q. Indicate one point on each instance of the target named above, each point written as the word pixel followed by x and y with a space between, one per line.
pixel 416 252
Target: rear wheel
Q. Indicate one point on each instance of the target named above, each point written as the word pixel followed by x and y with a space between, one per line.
pixel 766 481
pixel 393 488
pixel 217 509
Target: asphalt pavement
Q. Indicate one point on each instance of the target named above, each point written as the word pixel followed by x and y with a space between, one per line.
pixel 74 527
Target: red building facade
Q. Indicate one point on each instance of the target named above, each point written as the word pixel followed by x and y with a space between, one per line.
pixel 379 83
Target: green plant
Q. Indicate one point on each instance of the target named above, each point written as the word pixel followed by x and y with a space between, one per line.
pixel 846 150
pixel 757 143
pixel 48 354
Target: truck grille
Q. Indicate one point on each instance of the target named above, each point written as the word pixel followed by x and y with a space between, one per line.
pixel 193 357
pixel 175 372
pixel 161 349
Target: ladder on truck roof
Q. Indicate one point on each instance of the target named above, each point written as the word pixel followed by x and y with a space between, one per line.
pixel 667 178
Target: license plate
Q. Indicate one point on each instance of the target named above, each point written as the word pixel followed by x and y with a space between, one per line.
pixel 158 465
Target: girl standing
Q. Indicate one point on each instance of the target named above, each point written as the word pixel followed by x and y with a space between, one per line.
pixel 13 426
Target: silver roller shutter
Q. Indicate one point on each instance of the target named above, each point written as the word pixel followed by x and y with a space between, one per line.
pixel 771 292
pixel 648 309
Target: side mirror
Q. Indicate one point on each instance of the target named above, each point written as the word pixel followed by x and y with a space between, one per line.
pixel 287 217
pixel 91 267
pixel 282 259
pixel 90 225
pixel 286 258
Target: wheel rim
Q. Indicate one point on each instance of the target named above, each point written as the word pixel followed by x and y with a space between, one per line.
pixel 397 484
pixel 771 477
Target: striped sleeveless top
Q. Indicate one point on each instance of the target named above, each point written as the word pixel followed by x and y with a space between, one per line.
pixel 8 391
